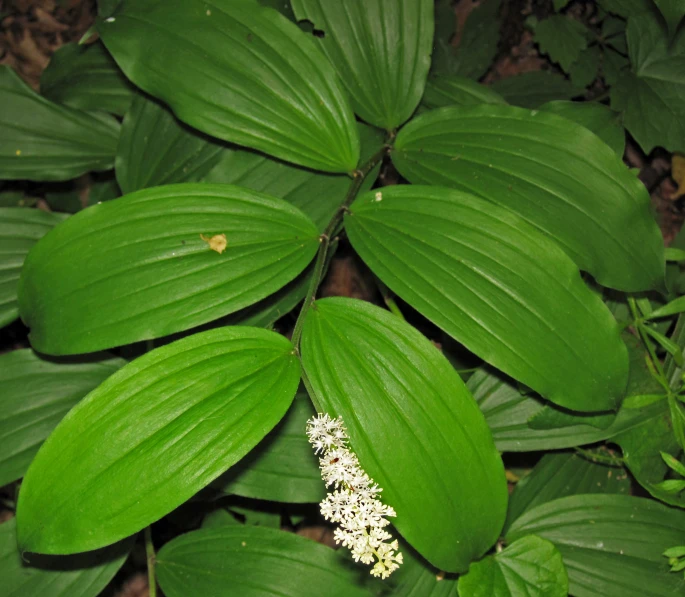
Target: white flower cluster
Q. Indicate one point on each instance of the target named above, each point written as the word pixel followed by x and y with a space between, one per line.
pixel 353 504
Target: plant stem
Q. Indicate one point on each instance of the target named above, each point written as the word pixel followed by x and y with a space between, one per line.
pixel 358 178
pixel 150 551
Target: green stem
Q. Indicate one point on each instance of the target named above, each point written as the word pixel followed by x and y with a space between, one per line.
pixel 609 460
pixel 648 344
pixel 150 551
pixel 325 239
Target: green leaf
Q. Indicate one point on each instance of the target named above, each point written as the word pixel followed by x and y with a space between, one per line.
pixel 36 395
pixel 642 446
pixel 585 69
pixel 87 78
pixel 550 171
pixel 559 4
pixel 531 90
pixel 254 562
pixel 137 268
pixel 509 412
pixel 152 435
pixel 416 577
pixel 380 50
pixel 626 8
pixel 563 474
pixel 650 94
pixel 282 6
pixel 84 575
pixel 20 230
pixel 156 149
pixel 673 463
pixel 673 11
pixel 496 285
pixel 529 567
pixel 562 38
pixel 413 425
pixel 317 194
pixel 477 48
pixel 282 468
pixel 611 544
pixel 600 119
pixel 672 308
pixel 460 91
pixel 45 141
pixel 241 73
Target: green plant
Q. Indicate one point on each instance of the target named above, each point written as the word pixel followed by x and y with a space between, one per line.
pixel 242 164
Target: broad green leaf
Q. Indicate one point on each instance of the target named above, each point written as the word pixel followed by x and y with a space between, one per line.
pixel 317 194
pixel 600 119
pixel 45 141
pixel 611 544
pixel 138 268
pixel 20 230
pixel 282 6
pixel 642 445
pixel 477 47
pixel 460 91
pixel 241 73
pixel 563 474
pixel 673 11
pixel 87 78
pixel 381 51
pixel 219 518
pixel 531 90
pixel 417 578
pixel 529 567
pixel 156 149
pixel 282 468
pixel 650 94
pixel 554 173
pixel 413 425
pixel 562 38
pixel 585 70
pixel 152 435
pixel 510 413
pixel 254 562
pixel 496 285
pixel 83 575
pixel 36 394
pixel 626 8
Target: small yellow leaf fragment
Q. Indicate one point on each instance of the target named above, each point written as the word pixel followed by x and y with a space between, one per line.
pixel 216 243
pixel 378 196
pixel 678 174
pixel 18 152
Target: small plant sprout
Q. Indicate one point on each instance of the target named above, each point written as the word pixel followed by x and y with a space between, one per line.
pixel 354 503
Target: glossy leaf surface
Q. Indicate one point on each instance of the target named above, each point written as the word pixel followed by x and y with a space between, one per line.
pixel 317 194
pixel 254 562
pixel 529 567
pixel 156 149
pixel 555 174
pixel 458 91
pixel 36 394
pixel 87 78
pixel 242 73
pixel 138 267
pixel 152 435
pixel 283 467
pixel 45 141
pixel 412 424
pixel 84 575
pixel 381 51
pixel 600 119
pixel 611 544
pixel 496 285
pixel 561 474
pixel 20 230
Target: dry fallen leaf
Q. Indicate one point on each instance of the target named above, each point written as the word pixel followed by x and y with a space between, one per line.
pixel 216 243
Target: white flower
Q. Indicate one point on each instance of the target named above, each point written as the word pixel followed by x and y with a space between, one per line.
pixel 354 503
